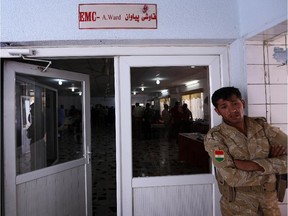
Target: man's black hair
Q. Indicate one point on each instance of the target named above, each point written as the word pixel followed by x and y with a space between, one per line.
pixel 225 93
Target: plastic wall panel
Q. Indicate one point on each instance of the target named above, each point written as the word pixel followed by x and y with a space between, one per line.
pixel 59 194
pixel 173 200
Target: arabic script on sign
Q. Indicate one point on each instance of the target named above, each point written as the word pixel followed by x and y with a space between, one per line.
pixel 117 16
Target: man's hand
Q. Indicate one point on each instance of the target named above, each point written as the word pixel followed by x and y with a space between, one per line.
pixel 247 165
pixel 277 151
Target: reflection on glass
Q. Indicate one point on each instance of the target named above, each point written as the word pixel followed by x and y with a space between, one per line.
pixel 169 120
pixel 46 135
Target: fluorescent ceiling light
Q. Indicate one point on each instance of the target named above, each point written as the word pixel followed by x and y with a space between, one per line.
pixel 192 82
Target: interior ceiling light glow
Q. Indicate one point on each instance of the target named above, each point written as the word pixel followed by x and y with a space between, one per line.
pixel 73 88
pixel 60 82
pixel 192 82
pixel 142 88
pixel 157 81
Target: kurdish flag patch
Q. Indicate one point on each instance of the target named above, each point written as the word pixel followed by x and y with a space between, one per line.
pixel 219 155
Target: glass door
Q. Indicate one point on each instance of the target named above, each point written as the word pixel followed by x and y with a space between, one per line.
pixel 164 159
pixel 46 141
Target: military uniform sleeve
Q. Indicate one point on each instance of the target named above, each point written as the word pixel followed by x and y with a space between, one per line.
pixel 215 146
pixel 276 165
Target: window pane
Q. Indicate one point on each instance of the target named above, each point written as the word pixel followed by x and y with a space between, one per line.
pixel 166 138
pixel 43 132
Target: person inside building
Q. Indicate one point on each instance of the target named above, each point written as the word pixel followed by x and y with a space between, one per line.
pixel 148 116
pixel 176 117
pixel 247 154
pixel 166 117
pixel 187 119
pixel 137 118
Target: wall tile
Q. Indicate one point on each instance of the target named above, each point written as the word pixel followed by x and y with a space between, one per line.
pixel 278 74
pixel 255 74
pixel 254 54
pixel 275 58
pixel 278 94
pixel 279 114
pixel 268 95
pixel 254 42
pixel 281 40
pixel 256 94
pixel 257 111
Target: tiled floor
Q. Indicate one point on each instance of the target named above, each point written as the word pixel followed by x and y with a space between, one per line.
pixel 104 171
pixel 157 156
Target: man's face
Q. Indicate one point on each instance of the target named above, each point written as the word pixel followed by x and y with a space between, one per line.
pixel 231 110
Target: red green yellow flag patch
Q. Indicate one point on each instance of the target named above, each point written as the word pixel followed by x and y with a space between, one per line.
pixel 219 155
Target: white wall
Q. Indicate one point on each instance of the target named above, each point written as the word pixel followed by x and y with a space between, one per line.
pixel 267 82
pixel 237 67
pixel 199 20
pixel 254 17
pixel 258 15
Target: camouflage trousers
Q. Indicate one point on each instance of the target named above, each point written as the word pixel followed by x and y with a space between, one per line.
pixel 251 203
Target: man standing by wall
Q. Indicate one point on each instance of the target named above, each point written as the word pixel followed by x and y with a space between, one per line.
pixel 247 153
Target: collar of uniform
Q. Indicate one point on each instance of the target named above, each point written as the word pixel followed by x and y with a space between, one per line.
pixel 228 130
pixel 252 128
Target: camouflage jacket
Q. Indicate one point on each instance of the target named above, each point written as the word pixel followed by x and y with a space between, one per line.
pixel 225 143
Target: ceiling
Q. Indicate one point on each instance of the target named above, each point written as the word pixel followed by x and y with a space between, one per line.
pixel 101 72
pixel 170 78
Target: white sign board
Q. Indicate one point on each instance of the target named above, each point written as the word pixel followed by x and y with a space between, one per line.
pixel 117 16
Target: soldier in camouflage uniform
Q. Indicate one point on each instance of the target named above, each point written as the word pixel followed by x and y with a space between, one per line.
pixel 247 153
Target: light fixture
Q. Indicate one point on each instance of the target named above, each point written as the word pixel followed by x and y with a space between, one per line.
pixel 164 91
pixel 60 82
pixel 157 81
pixel 134 92
pixel 73 87
pixel 142 87
pixel 192 82
pixel 80 93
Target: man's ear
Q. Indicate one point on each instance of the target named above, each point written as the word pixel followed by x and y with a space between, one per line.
pixel 243 102
pixel 216 110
